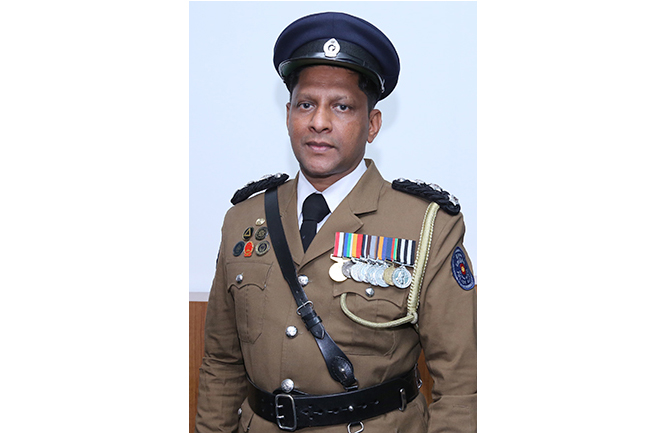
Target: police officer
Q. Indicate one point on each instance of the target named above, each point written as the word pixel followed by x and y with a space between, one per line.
pixel 329 285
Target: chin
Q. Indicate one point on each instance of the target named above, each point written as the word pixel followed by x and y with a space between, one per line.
pixel 317 170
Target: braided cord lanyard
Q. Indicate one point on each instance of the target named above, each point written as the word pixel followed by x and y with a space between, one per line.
pixel 421 260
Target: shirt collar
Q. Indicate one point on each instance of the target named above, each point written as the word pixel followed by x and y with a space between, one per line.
pixel 333 195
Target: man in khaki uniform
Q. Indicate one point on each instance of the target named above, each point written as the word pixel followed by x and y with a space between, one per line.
pixel 264 368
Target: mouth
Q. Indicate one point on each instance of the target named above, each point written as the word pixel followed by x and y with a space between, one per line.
pixel 319 146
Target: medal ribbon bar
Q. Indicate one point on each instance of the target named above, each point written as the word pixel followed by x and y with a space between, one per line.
pixel 361 246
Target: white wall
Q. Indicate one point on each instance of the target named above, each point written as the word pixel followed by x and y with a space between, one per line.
pixel 237 106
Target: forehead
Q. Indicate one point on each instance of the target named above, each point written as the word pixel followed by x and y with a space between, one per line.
pixel 325 77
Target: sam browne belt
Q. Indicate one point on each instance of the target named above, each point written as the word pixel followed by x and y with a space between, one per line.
pixel 338 364
pixel 295 411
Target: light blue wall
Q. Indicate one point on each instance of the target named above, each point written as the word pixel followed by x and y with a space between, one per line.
pixel 237 106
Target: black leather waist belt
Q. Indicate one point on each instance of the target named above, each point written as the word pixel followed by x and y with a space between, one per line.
pixel 295 411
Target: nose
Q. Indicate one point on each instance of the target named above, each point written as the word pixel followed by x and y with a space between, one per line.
pixel 320 120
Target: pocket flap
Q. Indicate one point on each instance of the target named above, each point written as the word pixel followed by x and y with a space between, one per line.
pixel 392 294
pixel 242 274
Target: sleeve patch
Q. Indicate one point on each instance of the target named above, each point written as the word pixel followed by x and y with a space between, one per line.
pixel 460 270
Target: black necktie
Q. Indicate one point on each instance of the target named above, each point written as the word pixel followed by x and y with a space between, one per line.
pixel 314 209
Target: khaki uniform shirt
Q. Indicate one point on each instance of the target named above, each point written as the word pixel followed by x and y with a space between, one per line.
pixel 247 317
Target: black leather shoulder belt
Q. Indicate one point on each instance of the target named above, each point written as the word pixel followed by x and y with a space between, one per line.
pixel 338 365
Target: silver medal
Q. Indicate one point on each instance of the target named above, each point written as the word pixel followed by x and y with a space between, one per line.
pixel 363 273
pixel 379 275
pixel 372 275
pixel 355 272
pixel 402 277
pixel 347 266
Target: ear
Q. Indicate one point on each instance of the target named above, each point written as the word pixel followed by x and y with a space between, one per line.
pixel 288 110
pixel 375 125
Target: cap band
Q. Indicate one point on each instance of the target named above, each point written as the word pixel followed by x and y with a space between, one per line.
pixel 351 55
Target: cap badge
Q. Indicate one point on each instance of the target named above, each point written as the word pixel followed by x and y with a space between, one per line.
pixel 331 48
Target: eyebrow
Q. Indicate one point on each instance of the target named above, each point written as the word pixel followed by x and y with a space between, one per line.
pixel 307 95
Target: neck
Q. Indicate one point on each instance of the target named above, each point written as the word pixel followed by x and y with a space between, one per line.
pixel 324 182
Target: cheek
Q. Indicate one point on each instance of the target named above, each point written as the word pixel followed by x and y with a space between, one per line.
pixel 293 125
pixel 358 131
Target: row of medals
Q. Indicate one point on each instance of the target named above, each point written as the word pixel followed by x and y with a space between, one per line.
pixel 376 272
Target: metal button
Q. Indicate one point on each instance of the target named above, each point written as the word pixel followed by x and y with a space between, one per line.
pixel 303 280
pixel 239 411
pixel 291 331
pixel 287 385
pixel 239 278
pixel 370 292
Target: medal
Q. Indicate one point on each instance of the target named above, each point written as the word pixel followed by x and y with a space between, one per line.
pixel 388 275
pixel 346 268
pixel 378 275
pixel 402 277
pixel 372 274
pixel 336 270
pixel 356 272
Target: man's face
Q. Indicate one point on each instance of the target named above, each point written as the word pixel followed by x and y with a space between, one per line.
pixel 329 124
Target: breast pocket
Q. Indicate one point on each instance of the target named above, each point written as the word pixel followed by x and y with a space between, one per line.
pixel 376 304
pixel 248 289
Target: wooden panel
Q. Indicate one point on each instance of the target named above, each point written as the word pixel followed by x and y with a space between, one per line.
pixel 427 380
pixel 197 325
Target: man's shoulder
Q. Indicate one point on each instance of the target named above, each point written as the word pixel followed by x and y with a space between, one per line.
pixel 418 191
pixel 253 187
pixel 250 198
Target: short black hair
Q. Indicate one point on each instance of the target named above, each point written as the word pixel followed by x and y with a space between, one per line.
pixel 367 86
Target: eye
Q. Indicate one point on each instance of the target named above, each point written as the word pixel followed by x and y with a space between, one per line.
pixel 304 105
pixel 343 107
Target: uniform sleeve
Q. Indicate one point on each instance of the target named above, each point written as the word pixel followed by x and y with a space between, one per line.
pixel 222 379
pixel 447 324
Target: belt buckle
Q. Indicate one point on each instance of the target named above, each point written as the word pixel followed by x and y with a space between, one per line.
pixel 279 418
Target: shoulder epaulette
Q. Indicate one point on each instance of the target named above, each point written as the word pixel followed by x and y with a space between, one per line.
pixel 428 191
pixel 266 182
